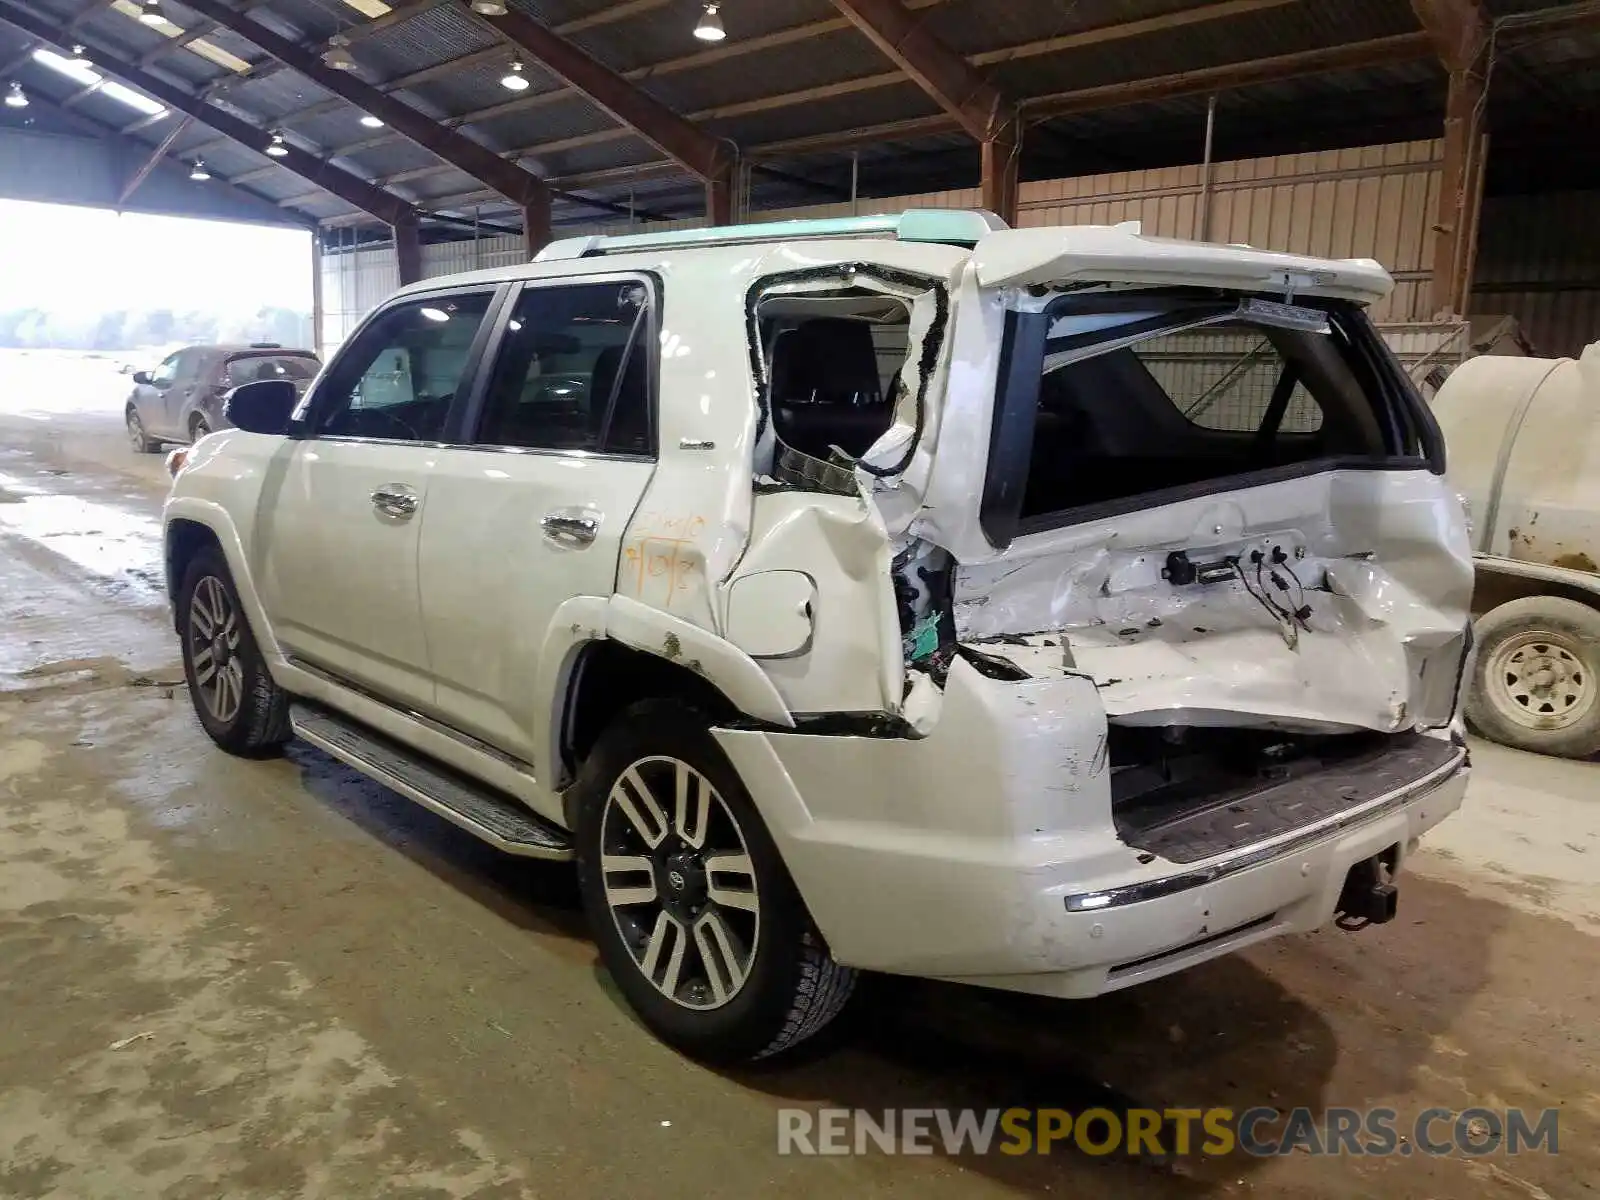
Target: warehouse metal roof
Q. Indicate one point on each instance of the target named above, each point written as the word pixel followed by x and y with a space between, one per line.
pixel 803 95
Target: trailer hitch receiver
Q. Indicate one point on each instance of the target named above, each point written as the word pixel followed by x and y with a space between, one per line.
pixel 1369 897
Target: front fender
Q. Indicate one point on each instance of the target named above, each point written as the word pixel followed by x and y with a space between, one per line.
pixel 214 517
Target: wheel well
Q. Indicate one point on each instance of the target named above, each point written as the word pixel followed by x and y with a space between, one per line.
pixel 608 677
pixel 1491 589
pixel 185 539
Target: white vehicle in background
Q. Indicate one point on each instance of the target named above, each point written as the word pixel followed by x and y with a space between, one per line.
pixel 1524 438
pixel 1045 609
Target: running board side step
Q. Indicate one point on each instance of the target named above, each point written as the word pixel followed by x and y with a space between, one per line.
pixel 473 806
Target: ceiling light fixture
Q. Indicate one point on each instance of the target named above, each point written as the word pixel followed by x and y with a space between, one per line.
pixel 79 58
pixel 198 172
pixel 370 121
pixel 515 79
pixel 152 13
pixel 276 148
pixel 16 97
pixel 489 8
pixel 338 54
pixel 710 27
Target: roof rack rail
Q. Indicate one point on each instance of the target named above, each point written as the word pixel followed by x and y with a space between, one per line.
pixel 952 226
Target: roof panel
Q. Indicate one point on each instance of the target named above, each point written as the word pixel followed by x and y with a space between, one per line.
pixel 476 86
pixel 571 117
pixel 668 32
pixel 822 60
pixel 266 99
pixel 825 116
pixel 441 33
pixel 389 159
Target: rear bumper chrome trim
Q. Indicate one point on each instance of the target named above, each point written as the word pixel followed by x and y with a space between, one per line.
pixel 1254 856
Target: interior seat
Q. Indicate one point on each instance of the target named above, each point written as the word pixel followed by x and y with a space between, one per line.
pixel 825 388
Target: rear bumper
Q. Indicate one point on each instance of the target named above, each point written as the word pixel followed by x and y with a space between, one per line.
pixel 1144 931
pixel 986 852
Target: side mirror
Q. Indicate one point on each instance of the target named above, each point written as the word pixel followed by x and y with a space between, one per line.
pixel 141 377
pixel 261 407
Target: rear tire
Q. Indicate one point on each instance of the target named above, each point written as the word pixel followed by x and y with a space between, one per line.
pixel 141 442
pixel 241 708
pixel 695 915
pixel 1536 685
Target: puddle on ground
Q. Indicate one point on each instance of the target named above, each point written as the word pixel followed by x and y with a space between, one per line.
pixel 108 541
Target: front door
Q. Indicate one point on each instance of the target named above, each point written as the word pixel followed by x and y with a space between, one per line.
pixel 342 520
pixel 191 364
pixel 534 511
pixel 151 397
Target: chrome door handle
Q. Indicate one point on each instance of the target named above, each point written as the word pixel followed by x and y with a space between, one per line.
pixel 571 526
pixel 395 500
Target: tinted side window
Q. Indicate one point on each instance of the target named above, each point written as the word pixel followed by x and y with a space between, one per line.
pixel 574 371
pixel 166 372
pixel 399 378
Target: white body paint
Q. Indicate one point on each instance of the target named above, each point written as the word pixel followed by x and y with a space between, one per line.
pixel 949 848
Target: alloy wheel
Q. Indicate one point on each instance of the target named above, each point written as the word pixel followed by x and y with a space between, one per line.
pixel 214 649
pixel 136 431
pixel 679 881
pixel 1539 681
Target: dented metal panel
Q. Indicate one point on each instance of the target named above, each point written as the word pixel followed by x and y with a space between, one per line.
pixel 1386 576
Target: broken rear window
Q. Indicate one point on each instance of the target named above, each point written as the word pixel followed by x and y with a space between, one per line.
pixel 1113 401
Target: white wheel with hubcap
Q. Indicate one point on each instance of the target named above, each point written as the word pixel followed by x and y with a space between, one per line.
pixel 1536 685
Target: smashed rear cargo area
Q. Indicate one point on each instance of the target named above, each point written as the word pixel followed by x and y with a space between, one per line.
pixel 1227 511
pixel 1190 795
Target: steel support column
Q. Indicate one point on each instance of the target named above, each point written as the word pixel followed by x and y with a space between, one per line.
pixel 407 250
pixel 536 225
pixel 1460 33
pixel 982 109
pixel 1002 162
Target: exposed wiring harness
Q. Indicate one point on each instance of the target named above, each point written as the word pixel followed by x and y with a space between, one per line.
pixel 1291 613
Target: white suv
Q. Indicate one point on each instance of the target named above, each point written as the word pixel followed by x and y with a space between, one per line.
pixel 1045 609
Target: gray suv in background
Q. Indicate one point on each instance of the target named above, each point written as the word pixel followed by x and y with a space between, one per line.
pixel 181 400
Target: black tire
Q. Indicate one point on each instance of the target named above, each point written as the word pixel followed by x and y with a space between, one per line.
pixel 141 442
pixel 1536 684
pixel 258 726
pixel 198 428
pixel 791 988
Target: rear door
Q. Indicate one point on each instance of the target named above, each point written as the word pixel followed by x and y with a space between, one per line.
pixel 533 511
pixel 342 515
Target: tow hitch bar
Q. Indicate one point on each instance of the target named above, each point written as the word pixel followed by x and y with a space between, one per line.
pixel 1368 898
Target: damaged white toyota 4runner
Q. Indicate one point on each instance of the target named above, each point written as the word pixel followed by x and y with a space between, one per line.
pixel 1045 609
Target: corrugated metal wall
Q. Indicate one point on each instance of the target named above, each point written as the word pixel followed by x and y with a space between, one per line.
pixel 1539 261
pixel 1373 202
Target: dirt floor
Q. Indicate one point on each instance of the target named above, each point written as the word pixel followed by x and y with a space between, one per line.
pixel 225 978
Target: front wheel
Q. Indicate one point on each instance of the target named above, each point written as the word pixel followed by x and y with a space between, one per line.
pixel 198 428
pixel 141 441
pixel 1537 681
pixel 239 705
pixel 695 916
